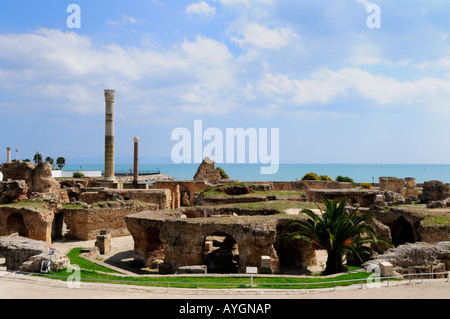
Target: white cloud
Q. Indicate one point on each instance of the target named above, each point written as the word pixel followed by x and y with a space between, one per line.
pixel 201 8
pixel 68 72
pixel 65 70
pixel 365 55
pixel 327 85
pixel 246 2
pixel 264 37
pixel 124 20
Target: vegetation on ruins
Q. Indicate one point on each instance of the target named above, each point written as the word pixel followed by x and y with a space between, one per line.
pixel 336 230
pixel 344 179
pixel 310 177
pixel 366 185
pixel 314 177
pixel 222 173
pixel 78 175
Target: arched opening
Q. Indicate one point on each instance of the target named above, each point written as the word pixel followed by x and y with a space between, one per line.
pixel 58 226
pixel 221 254
pixel 185 196
pixel 402 232
pixel 16 224
pixel 154 254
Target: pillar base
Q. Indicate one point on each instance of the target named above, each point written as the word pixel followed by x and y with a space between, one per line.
pixel 108 184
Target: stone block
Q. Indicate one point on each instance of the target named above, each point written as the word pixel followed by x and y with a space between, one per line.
pixel 199 269
pixel 104 242
pixel 165 268
pixel 386 269
pixel 392 184
pixel 208 245
pixel 265 261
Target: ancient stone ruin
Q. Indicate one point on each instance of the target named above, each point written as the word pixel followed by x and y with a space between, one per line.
pixel 207 172
pixel 27 254
pixel 225 244
pixel 205 225
pixel 24 180
pixel 417 258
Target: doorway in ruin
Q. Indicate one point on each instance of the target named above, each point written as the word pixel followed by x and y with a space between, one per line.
pixel 154 254
pixel 402 232
pixel 185 196
pixel 221 254
pixel 58 226
pixel 16 224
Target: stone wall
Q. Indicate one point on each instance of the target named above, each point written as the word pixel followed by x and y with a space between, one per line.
pixel 161 197
pixel 417 258
pixel 27 254
pixel 86 223
pixel 306 185
pixel 38 178
pixel 360 197
pixel 178 190
pixel 434 191
pixel 392 184
pixel 183 239
pixel 29 222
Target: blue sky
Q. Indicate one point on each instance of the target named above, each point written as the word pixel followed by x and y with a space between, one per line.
pixel 339 91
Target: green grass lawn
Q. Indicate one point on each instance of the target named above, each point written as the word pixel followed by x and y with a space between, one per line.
pixel 91 272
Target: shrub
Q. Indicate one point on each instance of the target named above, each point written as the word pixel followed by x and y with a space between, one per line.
pixel 310 177
pixel 366 185
pixel 222 173
pixel 344 179
pixel 78 175
pixel 325 178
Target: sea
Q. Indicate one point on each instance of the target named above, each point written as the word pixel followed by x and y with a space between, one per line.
pixel 360 173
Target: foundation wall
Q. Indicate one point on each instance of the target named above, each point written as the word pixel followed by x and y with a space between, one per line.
pixel 86 223
pixel 34 224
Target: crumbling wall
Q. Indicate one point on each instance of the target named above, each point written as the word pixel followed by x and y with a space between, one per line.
pixel 392 184
pixel 86 223
pixel 183 239
pixel 160 197
pixel 29 222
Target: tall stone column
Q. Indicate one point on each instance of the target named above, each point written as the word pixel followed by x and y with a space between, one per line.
pixel 136 160
pixel 8 155
pixel 109 136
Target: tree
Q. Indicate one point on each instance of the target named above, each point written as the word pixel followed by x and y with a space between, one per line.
pixel 336 230
pixel 60 161
pixel 310 177
pixel 49 160
pixel 222 173
pixel 37 158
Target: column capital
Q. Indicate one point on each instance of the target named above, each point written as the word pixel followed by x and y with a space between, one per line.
pixel 110 94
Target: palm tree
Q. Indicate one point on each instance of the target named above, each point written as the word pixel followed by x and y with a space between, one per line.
pixel 37 158
pixel 336 230
pixel 49 160
pixel 60 161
